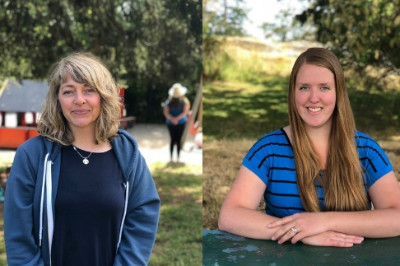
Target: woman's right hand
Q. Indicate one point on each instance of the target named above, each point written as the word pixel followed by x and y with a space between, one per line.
pixel 174 121
pixel 332 239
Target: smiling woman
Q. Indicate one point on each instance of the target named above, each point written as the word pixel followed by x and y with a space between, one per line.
pixel 315 95
pixel 80 104
pixel 81 193
pixel 319 175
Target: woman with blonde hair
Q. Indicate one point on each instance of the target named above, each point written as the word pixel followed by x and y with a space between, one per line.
pixel 81 192
pixel 319 176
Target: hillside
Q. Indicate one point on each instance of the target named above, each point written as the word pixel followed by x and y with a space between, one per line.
pixel 277 56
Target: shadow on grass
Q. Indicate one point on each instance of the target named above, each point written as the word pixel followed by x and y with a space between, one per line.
pixel 244 110
pixel 179 234
pixel 377 114
pixel 233 110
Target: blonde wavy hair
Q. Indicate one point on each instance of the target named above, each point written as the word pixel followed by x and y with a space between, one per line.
pixel 86 69
pixel 343 183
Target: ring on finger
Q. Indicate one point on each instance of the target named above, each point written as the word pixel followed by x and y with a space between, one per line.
pixel 294 230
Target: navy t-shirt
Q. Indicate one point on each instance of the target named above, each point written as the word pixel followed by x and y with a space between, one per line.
pixel 88 209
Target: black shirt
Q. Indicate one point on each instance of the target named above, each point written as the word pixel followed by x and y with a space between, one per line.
pixel 88 209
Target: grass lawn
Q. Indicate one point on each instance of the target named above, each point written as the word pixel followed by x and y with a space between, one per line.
pixel 3 260
pixel 235 110
pixel 179 239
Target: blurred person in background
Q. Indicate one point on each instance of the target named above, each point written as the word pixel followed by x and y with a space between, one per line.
pixel 176 110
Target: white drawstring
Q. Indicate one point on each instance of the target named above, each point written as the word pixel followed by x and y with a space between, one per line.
pixel 49 206
pixel 46 188
pixel 41 201
pixel 125 210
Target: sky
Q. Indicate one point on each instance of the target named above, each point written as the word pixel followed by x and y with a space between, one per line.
pixel 260 11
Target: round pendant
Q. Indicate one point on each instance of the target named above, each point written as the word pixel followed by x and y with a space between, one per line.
pixel 85 161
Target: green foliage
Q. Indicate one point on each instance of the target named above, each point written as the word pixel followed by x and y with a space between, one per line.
pixel 179 234
pixel 147 44
pixel 224 18
pixel 282 29
pixel 214 63
pixel 220 19
pixel 287 28
pixel 238 59
pixel 360 32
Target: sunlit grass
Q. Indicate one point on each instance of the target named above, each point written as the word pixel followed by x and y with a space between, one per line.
pixel 179 234
pixel 3 259
pixel 221 162
pixel 248 109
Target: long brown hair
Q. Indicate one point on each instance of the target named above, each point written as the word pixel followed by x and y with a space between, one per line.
pixel 86 69
pixel 342 183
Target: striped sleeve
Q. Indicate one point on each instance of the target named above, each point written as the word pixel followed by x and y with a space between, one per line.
pixel 262 157
pixel 374 161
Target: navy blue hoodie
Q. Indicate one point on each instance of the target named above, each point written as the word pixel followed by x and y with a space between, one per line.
pixel 31 193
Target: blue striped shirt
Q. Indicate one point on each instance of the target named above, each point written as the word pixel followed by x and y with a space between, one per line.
pixel 271 158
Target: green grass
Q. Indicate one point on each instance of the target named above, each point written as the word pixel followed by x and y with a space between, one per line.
pixel 179 240
pixel 376 113
pixel 236 110
pixel 3 259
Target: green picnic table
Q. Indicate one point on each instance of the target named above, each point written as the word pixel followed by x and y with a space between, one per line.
pixel 222 248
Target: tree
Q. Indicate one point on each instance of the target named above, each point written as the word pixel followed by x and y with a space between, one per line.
pixel 224 18
pixel 147 44
pixel 361 32
pixel 287 28
pixel 282 29
pixel 220 19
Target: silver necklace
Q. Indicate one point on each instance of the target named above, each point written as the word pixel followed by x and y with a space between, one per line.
pixel 85 159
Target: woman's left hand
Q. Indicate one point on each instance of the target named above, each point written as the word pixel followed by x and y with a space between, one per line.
pixel 298 226
pixel 174 120
pixel 333 239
